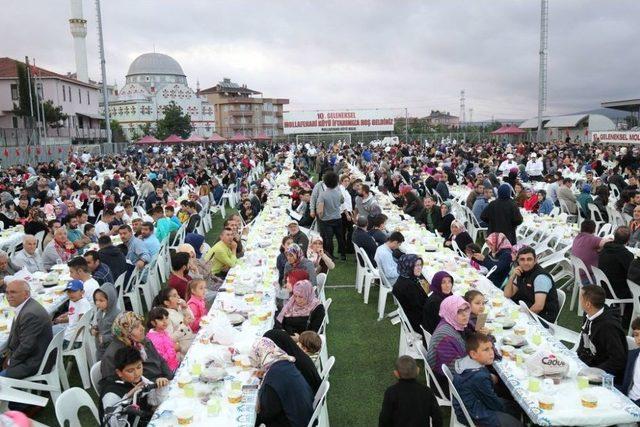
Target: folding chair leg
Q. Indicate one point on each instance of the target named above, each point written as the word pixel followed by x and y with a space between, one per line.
pixel 382 301
pixel 367 287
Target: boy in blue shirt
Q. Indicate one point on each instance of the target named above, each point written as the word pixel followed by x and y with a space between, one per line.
pixel 474 383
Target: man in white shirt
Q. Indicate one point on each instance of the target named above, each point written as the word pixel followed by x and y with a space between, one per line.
pixel 534 168
pixel 387 264
pixel 102 226
pixel 507 165
pixel 29 257
pixel 79 270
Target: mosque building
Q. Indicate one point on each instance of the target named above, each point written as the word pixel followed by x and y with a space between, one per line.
pixel 153 81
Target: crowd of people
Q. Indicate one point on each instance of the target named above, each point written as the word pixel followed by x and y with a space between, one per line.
pixel 589 183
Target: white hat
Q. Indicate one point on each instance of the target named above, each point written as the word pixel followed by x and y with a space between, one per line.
pixel 118 209
pixel 509 156
pixel 534 155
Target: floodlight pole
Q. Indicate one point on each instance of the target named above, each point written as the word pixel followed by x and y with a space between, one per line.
pixel 542 74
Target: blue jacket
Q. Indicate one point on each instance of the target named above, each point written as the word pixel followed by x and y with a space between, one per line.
pixel 503 262
pixel 478 207
pixel 292 391
pixel 545 207
pixel 627 381
pixel 473 382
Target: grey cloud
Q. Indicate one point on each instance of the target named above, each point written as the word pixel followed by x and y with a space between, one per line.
pixel 415 54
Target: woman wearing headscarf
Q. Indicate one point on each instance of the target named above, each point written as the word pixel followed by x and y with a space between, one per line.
pixel 583 199
pixel 302 312
pixel 500 250
pixel 297 261
pixel 128 331
pixel 531 201
pixel 447 342
pixel 460 235
pixel 446 218
pixel 502 215
pixel 199 268
pixel 303 362
pixel 440 288
pixel 409 290
pixel 316 254
pixel 285 399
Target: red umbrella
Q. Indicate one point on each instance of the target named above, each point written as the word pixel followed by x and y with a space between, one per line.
pixel 216 138
pixel 173 139
pixel 509 130
pixel 148 139
pixel 195 138
pixel 238 137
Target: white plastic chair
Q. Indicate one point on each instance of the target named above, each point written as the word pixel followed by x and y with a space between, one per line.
pixel 326 368
pixel 323 326
pixel 410 340
pixel 82 336
pixel 427 337
pixel 40 239
pixel 321 280
pixel 595 215
pixel 579 269
pixel 453 394
pixel 96 375
pixel 385 290
pixel 360 268
pixel 370 275
pixel 56 377
pixel 603 280
pixel 457 250
pixel 605 230
pixel 635 291
pixel 432 381
pixel 319 402
pixel 562 297
pixel 631 343
pixel 70 402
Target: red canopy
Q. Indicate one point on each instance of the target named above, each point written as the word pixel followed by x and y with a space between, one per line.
pixel 148 139
pixel 262 137
pixel 216 138
pixel 173 139
pixel 509 130
pixel 238 137
pixel 195 138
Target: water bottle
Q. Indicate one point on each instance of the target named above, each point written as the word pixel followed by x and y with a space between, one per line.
pixel 607 381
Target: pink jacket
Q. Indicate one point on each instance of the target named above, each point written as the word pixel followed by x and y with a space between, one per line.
pixel 165 347
pixel 198 309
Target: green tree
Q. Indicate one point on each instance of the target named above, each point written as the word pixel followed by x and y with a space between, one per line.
pixel 174 121
pixel 26 104
pixel 53 114
pixel 117 133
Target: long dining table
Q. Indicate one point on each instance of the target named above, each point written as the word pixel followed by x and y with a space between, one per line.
pixel 564 402
pixel 215 383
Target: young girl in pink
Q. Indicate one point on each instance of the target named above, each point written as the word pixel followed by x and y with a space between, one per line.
pixel 196 303
pixel 158 335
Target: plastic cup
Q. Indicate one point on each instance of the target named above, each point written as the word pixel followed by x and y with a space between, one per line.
pixel 583 382
pixel 255 320
pixel 519 360
pixel 515 314
pixel 213 406
pixel 534 384
pixel 189 390
pixel 536 339
pixel 236 385
pixel 196 368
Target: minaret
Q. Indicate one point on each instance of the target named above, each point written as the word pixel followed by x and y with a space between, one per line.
pixel 78 27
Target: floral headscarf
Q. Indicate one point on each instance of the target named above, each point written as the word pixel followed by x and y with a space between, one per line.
pixel 406 264
pixel 460 225
pixel 122 327
pixel 436 283
pixel 498 242
pixel 303 288
pixel 265 353
pixel 295 250
pixel 311 254
pixel 449 310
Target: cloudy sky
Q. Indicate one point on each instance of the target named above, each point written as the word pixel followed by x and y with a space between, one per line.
pixel 357 53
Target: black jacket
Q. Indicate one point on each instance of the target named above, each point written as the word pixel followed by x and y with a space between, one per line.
pixel 608 338
pixel 436 218
pixel 502 216
pixel 299 324
pixel 363 240
pixel 409 404
pixel 114 259
pixel 412 299
pixel 614 261
pixel 431 313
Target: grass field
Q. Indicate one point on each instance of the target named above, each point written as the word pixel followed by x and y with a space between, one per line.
pixel 365 350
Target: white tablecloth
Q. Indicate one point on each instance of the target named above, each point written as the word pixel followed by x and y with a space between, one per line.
pixel 256 274
pixel 613 406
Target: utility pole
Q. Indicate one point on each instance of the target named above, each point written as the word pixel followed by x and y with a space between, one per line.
pixel 462 109
pixel 470 115
pixel 103 66
pixel 406 125
pixel 542 73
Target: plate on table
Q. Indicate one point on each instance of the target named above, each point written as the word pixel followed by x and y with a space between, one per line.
pixel 506 323
pixel 513 340
pixel 236 318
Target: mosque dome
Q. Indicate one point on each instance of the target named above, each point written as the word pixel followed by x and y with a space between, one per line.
pixel 155 63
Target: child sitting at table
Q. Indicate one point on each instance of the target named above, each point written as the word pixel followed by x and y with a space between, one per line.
pixel 407 402
pixel 124 382
pixel 78 306
pixel 106 301
pixel 310 342
pixel 474 384
pixel 630 387
pixel 196 291
pixel 159 336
